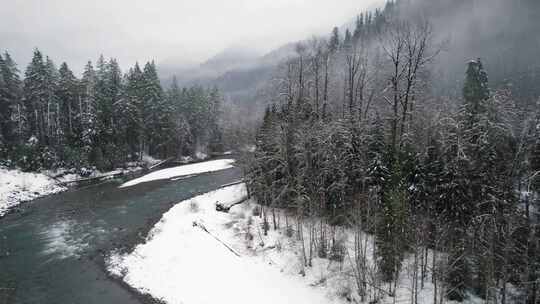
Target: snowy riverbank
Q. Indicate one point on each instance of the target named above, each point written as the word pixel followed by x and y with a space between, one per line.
pixel 196 254
pixel 17 187
pixel 184 170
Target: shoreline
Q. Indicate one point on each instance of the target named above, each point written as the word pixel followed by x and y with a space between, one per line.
pixel 106 177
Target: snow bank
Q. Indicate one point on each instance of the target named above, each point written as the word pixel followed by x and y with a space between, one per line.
pixel 17 187
pixel 209 166
pixel 182 263
pixel 198 255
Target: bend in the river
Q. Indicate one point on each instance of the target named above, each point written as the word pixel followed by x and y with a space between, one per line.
pixel 53 250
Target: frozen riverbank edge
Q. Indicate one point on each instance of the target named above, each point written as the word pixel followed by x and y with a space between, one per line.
pixel 196 254
pixel 17 187
pixel 194 249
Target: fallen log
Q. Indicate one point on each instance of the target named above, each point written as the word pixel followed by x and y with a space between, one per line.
pixel 203 228
pixel 107 176
pixel 160 163
pixel 221 207
pixel 240 181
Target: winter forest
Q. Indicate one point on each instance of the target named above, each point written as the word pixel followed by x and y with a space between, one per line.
pixel 360 135
pixel 400 154
pixel 51 119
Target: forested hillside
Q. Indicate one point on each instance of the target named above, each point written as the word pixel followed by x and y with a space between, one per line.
pixel 51 119
pixel 503 33
pixel 373 130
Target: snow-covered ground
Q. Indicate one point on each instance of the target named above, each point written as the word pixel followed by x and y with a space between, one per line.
pixel 183 263
pixel 209 166
pixel 196 254
pixel 17 187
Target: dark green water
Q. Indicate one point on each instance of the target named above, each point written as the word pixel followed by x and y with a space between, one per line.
pixel 53 250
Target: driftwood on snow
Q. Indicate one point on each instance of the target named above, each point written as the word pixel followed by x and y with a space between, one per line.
pixel 203 228
pixel 225 207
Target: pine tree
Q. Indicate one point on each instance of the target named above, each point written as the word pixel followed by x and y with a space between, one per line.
pixel 216 137
pixel 10 107
pixel 348 39
pixel 70 108
pixel 108 93
pixel 88 97
pixel 475 90
pixel 156 111
pixel 460 180
pixel 36 96
pixel 181 130
pixel 393 215
pixel 132 119
pixel 53 115
pixel 335 41
pixel 359 28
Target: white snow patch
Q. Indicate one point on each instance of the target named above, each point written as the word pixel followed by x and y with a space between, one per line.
pixel 209 166
pixel 149 160
pixel 181 263
pixel 17 187
pixel 234 262
pixel 201 155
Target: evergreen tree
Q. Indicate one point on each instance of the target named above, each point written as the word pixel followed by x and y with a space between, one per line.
pixel 10 107
pixel 108 89
pixel 70 109
pixel 335 41
pixel 157 114
pixel 88 97
pixel 475 91
pixel 181 129
pixel 36 97
pixel 53 114
pixel 216 137
pixel 348 39
pixel 359 27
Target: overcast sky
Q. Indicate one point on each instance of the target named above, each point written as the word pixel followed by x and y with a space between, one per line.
pixel 188 31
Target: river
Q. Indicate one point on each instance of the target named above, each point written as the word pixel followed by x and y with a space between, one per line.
pixel 53 250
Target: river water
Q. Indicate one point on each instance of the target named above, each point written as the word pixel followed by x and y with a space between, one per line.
pixel 53 250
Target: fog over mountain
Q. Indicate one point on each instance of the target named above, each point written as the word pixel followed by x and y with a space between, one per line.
pixel 183 32
pixel 502 33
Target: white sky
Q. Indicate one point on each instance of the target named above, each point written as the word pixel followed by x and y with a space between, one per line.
pixel 186 31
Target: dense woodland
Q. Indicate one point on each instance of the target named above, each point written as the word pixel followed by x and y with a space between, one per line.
pixel 51 119
pixel 358 134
